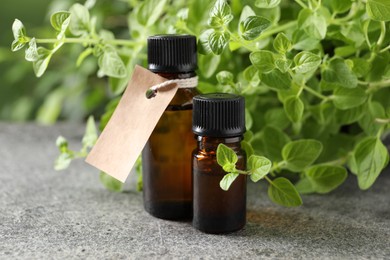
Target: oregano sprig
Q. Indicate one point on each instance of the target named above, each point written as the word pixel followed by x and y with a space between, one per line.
pixel 281 190
pixel 316 80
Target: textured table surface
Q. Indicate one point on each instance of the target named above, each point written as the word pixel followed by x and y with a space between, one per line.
pixel 46 214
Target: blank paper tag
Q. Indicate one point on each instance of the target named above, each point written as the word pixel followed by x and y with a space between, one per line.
pixel 129 128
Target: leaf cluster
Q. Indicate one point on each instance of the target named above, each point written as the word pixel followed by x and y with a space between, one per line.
pixel 314 87
pixel 315 74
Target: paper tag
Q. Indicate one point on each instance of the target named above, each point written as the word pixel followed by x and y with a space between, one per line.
pixel 131 125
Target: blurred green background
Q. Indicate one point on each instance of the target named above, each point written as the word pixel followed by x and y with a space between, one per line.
pixel 64 91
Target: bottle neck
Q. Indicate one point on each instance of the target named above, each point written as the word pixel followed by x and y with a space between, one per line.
pixel 178 75
pixel 210 144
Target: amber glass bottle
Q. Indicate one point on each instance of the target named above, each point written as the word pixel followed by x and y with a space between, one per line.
pixel 218 118
pixel 166 157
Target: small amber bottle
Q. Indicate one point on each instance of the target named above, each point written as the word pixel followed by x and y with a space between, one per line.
pixel 218 118
pixel 166 157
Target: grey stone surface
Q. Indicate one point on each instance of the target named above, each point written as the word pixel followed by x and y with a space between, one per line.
pixel 46 214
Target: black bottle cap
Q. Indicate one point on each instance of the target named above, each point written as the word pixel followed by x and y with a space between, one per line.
pixel 172 53
pixel 218 115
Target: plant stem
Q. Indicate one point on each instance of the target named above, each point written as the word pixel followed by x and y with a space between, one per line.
pixel 90 41
pixel 315 93
pixel 382 120
pixel 185 28
pixel 242 172
pixel 239 40
pixel 365 30
pixel 383 34
pixel 380 131
pixel 377 85
pixel 385 49
pixel 351 14
pixel 339 162
pixel 302 4
pixel 264 35
pixel 276 29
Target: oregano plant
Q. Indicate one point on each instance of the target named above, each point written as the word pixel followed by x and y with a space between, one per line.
pixel 315 75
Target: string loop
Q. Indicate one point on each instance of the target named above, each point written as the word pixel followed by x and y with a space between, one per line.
pixel 181 83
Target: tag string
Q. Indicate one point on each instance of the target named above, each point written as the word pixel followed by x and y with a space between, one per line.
pixel 181 83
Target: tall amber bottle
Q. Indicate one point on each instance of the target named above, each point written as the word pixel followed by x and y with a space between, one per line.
pixel 166 157
pixel 218 118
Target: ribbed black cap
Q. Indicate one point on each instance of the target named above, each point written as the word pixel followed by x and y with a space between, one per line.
pixel 218 115
pixel 172 53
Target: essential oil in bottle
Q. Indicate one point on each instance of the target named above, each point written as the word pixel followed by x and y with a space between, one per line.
pixel 166 157
pixel 218 118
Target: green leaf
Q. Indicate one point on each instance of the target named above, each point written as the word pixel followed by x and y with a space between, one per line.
pixel 346 98
pixel 111 64
pixel 282 44
pixel 304 186
pixel 227 180
pixel 303 41
pixel 378 66
pixel 371 157
pixel 276 79
pixel 245 13
pixel 345 51
pixel 267 3
pixel 294 109
pixel 361 67
pixel 20 37
pixel 322 113
pixel 110 183
pixel 32 51
pixel 150 11
pixel 259 166
pixel 80 21
pixel 300 154
pixel 351 163
pixel 248 119
pixel 281 191
pixel 263 60
pixel 62 144
pixel 220 14
pixel 208 64
pixel 378 10
pixel 225 77
pixel 16 45
pixel 306 62
pixel 283 64
pixel 313 23
pixel 218 41
pixel 247 147
pixel 326 178
pixel 339 74
pixel 90 4
pixel 253 26
pixel 42 61
pixel 349 116
pixel 90 135
pixel 63 161
pixel 118 85
pixel 204 45
pixel 57 19
pixel 226 158
pixel 276 117
pixel 270 142
pixel 340 6
pixel 18 29
pixel 367 121
pixel 251 74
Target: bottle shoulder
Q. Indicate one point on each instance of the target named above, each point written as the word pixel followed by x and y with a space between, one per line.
pixel 183 99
